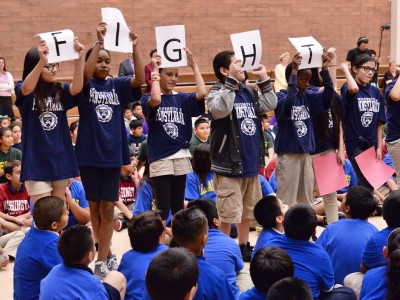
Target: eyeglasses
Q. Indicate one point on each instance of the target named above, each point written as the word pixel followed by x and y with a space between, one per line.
pixel 368 69
pixel 51 67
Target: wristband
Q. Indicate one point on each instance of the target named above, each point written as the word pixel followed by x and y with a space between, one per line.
pixel 100 43
pixel 155 92
pixel 155 78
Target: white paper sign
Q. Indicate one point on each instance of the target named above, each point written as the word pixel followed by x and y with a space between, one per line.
pixel 248 48
pixel 170 43
pixel 117 35
pixel 61 45
pixel 310 50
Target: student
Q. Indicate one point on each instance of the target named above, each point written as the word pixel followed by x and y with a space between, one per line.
pixel 16 128
pixel 352 232
pixel 73 131
pixel 173 273
pixel 137 112
pixel 144 231
pixel 364 112
pixel 43 103
pixel 169 115
pixel 37 253
pixel 201 133
pixel 5 121
pixel 15 212
pixel 290 288
pixel 128 117
pixel 268 266
pixel 136 137
pixel 220 251
pixel 77 204
pixel 73 279
pixel 383 282
pixel 237 144
pixel 7 153
pixel 351 179
pixel 102 144
pixel 269 140
pixel 269 213
pixel 9 243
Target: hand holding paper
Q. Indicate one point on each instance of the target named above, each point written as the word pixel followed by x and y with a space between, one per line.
pixel 325 60
pixel 296 62
pixel 43 51
pixel 311 51
pixel 261 73
pixel 101 31
pixel 134 38
pixel 190 59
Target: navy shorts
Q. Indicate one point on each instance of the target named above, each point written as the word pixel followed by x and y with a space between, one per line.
pixel 100 183
pixel 112 292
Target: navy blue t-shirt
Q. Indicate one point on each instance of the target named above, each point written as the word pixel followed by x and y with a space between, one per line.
pixel 393 113
pixel 102 140
pixel 46 143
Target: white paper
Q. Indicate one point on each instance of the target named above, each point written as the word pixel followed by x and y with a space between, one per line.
pixel 61 45
pixel 170 43
pixel 310 50
pixel 248 48
pixel 117 35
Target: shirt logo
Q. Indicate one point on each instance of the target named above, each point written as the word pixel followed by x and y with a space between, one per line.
pixel 366 118
pixel 301 128
pixel 104 113
pixel 48 120
pixel 171 129
pixel 248 126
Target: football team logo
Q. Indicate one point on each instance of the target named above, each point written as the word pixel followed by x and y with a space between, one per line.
pixel 301 128
pixel 48 120
pixel 248 126
pixel 171 129
pixel 366 118
pixel 104 113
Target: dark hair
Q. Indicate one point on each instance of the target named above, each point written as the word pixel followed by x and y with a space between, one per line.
pixel 3 131
pixel 152 52
pixel 361 202
pixel 288 72
pixel 300 222
pixel 135 124
pixel 14 124
pixel 5 70
pixel 10 165
pixel 74 243
pixel 48 210
pixel 266 210
pixel 144 231
pixel 391 209
pixel 136 104
pixel 42 89
pixel 336 114
pixel 201 121
pixel 208 207
pixel 372 51
pixel 362 39
pixel 222 60
pixel 290 288
pixel 90 51
pixel 264 117
pixel 361 59
pixel 188 226
pixel 73 126
pixel 270 265
pixel 393 271
pixel 201 162
pixel 172 274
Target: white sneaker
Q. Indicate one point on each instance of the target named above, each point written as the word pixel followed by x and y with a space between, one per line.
pixel 112 263
pixel 101 269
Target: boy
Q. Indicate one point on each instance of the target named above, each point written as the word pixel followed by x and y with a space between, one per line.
pixel 201 133
pixel 137 111
pixel 269 140
pixel 352 232
pixel 136 137
pixel 290 288
pixel 269 213
pixel 128 117
pixel 220 251
pixel 73 279
pixel 237 144
pixel 144 231
pixel 77 204
pixel 268 266
pixel 172 274
pixel 15 211
pixel 37 253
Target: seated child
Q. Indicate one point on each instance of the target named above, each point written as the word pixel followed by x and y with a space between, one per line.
pixel 128 117
pixel 201 133
pixel 172 272
pixel 136 137
pixel 37 253
pixel 73 279
pixel 144 231
pixel 220 251
pixel 15 211
pixel 9 243
pixel 77 204
pixel 269 213
pixel 137 112
pixel 290 288
pixel 352 232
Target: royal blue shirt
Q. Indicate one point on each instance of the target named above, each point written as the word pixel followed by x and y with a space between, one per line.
pixel 345 240
pixel 375 284
pixel 273 182
pixel 47 153
pixel 351 176
pixel 102 141
pixel 393 113
pixel 195 189
pixel 79 196
pixel 253 294
pixel 266 188
pixel 372 256
pixel 264 237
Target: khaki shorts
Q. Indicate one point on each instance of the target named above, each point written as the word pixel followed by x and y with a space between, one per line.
pixel 42 187
pixel 236 197
pixel 118 215
pixel 176 167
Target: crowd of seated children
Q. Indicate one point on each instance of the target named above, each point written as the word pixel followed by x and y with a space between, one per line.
pixel 7 153
pixel 128 117
pixel 201 133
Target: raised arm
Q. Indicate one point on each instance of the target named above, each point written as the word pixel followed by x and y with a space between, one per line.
pixel 155 93
pixel 77 81
pixel 138 79
pixel 90 64
pixel 200 86
pixel 332 66
pixel 352 86
pixel 268 99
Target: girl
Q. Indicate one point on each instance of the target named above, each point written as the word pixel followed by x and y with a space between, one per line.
pixel 16 128
pixel 102 145
pixel 6 90
pixel 5 122
pixel 6 152
pixel 48 159
pixel 364 112
pixel 169 116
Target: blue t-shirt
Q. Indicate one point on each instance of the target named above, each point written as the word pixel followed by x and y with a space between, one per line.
pixel 273 182
pixel 393 113
pixel 134 142
pixel 363 110
pixel 134 265
pixel 351 176
pixel 37 255
pixel 47 153
pixel 79 196
pixel 72 282
pixel 345 240
pixel 266 188
pixel 265 236
pixel 311 262
pixel 170 123
pixel 253 294
pixel 372 256
pixel 224 253
pixel 375 284
pixel 196 190
pixel 102 141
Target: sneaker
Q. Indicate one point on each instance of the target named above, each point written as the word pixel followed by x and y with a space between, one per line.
pixel 112 263
pixel 119 224
pixel 101 269
pixel 246 251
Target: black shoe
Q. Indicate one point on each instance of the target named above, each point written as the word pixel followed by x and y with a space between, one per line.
pixel 246 251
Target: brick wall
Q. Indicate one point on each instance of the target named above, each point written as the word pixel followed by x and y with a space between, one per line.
pixel 208 24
